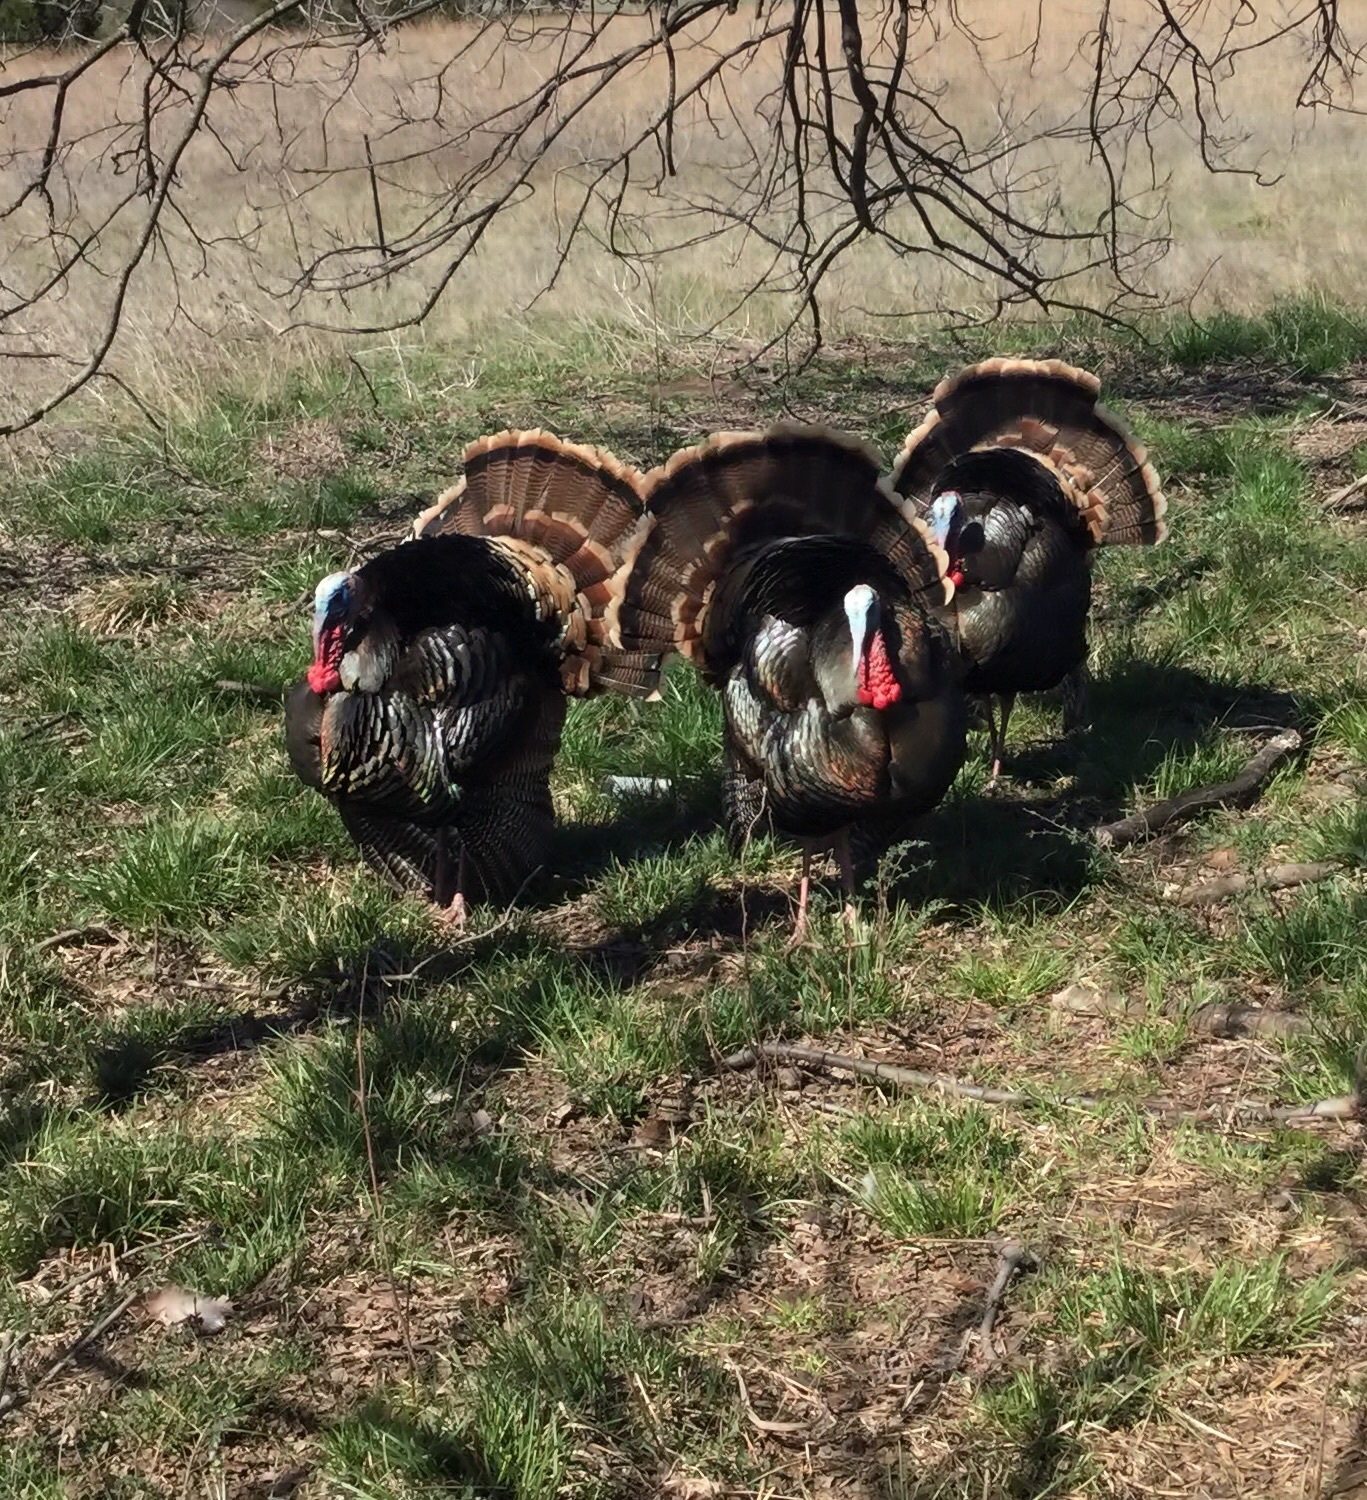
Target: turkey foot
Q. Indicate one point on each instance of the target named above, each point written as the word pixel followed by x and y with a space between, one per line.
pixel 452 908
pixel 997 731
pixel 454 914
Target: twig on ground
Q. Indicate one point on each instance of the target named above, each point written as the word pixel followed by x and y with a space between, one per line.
pixel 1346 1107
pixel 1014 1258
pixel 1337 500
pixel 1216 1018
pixel 1233 1021
pixel 762 1424
pixel 102 1325
pixel 261 692
pixel 41 726
pixel 1242 791
pixel 1277 878
pixel 74 935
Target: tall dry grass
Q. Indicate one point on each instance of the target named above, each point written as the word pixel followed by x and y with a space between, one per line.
pixel 280 178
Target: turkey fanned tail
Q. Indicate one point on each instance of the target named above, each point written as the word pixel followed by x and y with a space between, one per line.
pixel 569 511
pixel 712 507
pixel 1049 411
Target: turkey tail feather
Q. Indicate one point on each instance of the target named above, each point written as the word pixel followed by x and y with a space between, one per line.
pixel 1049 410
pixel 575 506
pixel 738 490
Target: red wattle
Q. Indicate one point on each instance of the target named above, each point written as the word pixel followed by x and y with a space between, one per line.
pixel 875 681
pixel 323 674
pixel 956 576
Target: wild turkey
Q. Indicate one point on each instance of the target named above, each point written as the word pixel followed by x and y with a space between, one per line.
pixel 1021 476
pixel 777 563
pixel 433 709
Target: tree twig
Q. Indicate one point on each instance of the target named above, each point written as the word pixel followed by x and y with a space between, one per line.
pixel 1242 791
pixel 1346 1107
pixel 1215 1018
pixel 1277 878
pixel 1338 500
pixel 74 935
pixel 102 1325
pixel 1014 1258
pixel 262 692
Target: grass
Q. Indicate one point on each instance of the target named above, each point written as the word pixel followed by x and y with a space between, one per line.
pixel 535 1261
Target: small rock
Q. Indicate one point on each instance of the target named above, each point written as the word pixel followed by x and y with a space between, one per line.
pixel 789 1078
pixel 1222 859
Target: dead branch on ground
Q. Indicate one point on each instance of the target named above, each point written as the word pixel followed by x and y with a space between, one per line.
pixel 1346 1107
pixel 1350 497
pixel 1216 1018
pixel 1013 1260
pixel 1276 878
pixel 1242 791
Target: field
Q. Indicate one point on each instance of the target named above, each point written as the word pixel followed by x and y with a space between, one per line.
pixel 494 1216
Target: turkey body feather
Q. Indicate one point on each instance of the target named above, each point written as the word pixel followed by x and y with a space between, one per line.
pixel 433 711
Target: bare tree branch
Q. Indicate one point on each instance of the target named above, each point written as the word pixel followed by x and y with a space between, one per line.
pixel 786 138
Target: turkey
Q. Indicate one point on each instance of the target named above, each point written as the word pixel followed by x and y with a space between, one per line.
pixel 1022 476
pixel 779 565
pixel 433 708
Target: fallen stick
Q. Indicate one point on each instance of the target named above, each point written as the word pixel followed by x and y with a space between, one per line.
pixel 13 1399
pixel 1241 792
pixel 1345 1107
pixel 1337 501
pixel 74 935
pixel 1277 878
pixel 1013 1259
pixel 1234 1021
pixel 261 692
pixel 1216 1018
pixel 761 1424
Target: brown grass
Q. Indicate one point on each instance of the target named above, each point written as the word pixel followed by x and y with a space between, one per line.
pixel 282 177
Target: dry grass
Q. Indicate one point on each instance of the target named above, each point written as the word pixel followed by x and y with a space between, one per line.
pixel 281 178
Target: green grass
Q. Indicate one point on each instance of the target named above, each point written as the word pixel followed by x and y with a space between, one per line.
pixel 493 1218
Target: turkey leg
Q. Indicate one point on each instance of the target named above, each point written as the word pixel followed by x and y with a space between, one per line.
pixel 804 888
pixel 845 862
pixel 449 895
pixel 998 733
pixel 1076 693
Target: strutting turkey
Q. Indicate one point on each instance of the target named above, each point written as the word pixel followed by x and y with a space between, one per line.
pixel 790 576
pixel 1021 476
pixel 433 708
